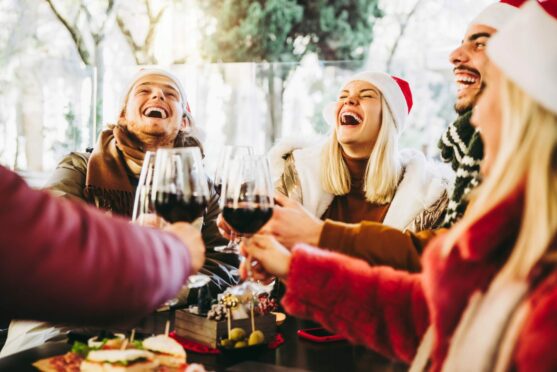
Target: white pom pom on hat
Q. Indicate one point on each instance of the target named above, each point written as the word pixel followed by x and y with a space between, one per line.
pixel 396 91
pixel 526 51
pixel 497 14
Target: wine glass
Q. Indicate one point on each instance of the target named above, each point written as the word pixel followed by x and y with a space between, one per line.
pixel 226 155
pixel 247 196
pixel 247 205
pixel 180 192
pixel 143 210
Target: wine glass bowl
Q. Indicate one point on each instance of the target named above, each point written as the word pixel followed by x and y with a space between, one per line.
pixel 180 188
pixel 247 199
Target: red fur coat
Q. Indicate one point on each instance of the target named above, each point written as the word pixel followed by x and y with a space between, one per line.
pixel 389 311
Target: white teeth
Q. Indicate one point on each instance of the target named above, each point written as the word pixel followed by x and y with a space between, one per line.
pixel 156 109
pixel 466 80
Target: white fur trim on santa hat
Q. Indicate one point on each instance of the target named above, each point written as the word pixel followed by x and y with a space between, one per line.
pixel 389 89
pixel 526 52
pixel 495 15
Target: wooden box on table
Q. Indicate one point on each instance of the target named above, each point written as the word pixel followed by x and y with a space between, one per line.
pixel 208 332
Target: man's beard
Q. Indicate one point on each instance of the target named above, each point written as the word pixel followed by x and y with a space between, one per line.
pixel 463 107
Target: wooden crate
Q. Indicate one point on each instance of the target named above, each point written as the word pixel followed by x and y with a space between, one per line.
pixel 209 332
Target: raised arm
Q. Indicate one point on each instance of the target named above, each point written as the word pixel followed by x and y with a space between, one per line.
pixel 63 261
pixel 379 307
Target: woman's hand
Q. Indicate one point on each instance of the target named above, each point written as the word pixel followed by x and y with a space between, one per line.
pixel 269 256
pixel 292 223
pixel 191 237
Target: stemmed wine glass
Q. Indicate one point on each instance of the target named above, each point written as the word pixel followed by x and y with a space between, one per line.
pixel 180 192
pixel 247 196
pixel 226 155
pixel 247 205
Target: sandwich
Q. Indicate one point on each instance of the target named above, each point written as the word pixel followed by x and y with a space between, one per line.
pixel 119 361
pixel 167 351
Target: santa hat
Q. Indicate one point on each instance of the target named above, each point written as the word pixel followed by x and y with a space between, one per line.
pixel 526 52
pixel 497 14
pixel 147 71
pixel 396 92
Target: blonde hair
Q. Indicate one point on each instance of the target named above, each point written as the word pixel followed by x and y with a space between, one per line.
pixel 383 168
pixel 525 157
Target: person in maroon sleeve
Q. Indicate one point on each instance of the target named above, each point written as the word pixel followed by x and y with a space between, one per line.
pixel 487 297
pixel 63 261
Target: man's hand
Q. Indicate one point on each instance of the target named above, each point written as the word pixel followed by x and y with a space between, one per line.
pixel 292 223
pixel 191 237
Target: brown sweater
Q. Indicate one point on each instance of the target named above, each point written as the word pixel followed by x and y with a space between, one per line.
pixel 377 244
pixel 353 207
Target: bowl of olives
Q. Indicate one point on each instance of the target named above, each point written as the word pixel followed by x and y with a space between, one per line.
pixel 242 344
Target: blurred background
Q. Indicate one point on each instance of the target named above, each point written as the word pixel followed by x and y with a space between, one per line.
pixel 254 71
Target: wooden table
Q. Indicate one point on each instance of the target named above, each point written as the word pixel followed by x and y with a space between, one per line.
pixel 294 355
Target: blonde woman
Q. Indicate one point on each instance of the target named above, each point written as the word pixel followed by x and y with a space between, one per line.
pixel 359 173
pixel 487 297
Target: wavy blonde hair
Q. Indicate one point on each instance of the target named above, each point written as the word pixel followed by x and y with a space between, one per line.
pixel 383 168
pixel 526 156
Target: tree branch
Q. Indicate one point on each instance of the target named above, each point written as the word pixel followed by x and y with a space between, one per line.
pixel 74 33
pixel 403 26
pixel 129 38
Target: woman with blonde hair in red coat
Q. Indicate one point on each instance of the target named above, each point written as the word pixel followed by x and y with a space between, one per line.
pixel 487 297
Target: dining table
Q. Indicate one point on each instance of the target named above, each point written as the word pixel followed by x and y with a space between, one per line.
pixel 295 354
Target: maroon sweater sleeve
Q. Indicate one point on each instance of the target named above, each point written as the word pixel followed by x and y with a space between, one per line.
pixel 63 261
pixel 378 307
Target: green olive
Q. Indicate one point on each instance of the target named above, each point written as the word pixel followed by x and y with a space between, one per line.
pixel 237 334
pixel 240 344
pixel 256 338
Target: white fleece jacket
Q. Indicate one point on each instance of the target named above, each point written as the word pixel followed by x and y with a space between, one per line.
pixel 423 182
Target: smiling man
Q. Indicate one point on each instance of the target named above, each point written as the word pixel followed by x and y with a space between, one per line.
pixel 155 113
pixel 461 144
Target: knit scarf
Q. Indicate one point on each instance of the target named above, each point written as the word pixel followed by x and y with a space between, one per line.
pixel 462 147
pixel 114 167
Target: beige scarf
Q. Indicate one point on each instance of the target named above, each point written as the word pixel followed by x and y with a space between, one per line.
pixel 115 163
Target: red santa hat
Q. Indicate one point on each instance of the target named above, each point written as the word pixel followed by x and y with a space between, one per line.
pixel 525 50
pixel 396 92
pixel 497 14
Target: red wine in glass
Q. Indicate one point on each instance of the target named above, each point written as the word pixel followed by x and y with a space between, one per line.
pixel 175 207
pixel 247 218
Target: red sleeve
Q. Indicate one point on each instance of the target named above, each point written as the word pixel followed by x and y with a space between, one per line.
pixel 379 307
pixel 535 349
pixel 64 261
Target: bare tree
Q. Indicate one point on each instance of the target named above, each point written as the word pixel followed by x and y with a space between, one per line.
pixel 88 41
pixel 402 29
pixel 142 52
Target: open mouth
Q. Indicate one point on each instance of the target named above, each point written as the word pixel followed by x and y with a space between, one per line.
pixel 466 78
pixel 350 118
pixel 155 112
